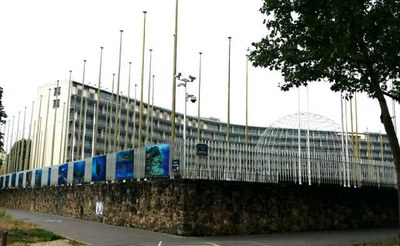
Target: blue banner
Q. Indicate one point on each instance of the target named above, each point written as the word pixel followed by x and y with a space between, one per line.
pixel 157 160
pixel 20 179
pixel 13 179
pixel 62 174
pixel 7 181
pixel 99 168
pixel 124 165
pixel 38 178
pixel 79 173
pixel 49 177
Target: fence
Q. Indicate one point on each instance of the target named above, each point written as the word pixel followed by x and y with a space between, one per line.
pixel 229 162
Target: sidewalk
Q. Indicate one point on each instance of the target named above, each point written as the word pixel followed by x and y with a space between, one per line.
pixel 98 234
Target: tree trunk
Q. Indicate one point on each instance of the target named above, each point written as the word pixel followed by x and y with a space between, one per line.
pixel 386 120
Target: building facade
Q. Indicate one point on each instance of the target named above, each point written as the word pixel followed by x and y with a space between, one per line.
pixel 72 121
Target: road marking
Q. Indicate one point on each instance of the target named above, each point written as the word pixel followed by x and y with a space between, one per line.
pixel 52 221
pixel 159 244
pixel 213 244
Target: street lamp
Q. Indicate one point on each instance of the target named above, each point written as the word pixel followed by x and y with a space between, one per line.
pixel 193 99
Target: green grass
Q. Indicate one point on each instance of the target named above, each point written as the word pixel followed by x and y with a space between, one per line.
pixel 393 242
pixel 4 215
pixel 31 236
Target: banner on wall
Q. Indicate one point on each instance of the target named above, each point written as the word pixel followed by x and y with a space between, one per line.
pixel 79 173
pixel 99 168
pixel 1 182
pixel 7 181
pixel 28 179
pixel 49 176
pixel 124 164
pixel 13 179
pixel 38 178
pixel 20 179
pixel 157 160
pixel 62 174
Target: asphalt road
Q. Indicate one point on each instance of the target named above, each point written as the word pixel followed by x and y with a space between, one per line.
pixel 98 234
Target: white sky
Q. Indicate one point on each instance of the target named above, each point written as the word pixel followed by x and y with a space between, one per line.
pixel 42 40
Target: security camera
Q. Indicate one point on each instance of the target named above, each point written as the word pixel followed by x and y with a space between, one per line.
pixel 178 76
pixel 192 78
pixel 193 99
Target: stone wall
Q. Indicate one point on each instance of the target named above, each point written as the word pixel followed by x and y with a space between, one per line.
pixel 201 207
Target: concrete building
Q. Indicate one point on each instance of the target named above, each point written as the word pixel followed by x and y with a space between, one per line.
pixel 64 127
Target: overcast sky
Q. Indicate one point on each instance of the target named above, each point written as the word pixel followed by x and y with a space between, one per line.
pixel 42 40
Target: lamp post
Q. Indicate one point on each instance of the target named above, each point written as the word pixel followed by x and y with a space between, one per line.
pixel 192 98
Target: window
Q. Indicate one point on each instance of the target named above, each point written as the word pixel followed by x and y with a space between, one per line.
pixel 56 103
pixel 57 91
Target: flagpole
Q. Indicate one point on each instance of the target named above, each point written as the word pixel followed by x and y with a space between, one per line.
pixel 118 113
pixel 298 136
pixel 141 81
pixel 198 105
pixel 10 147
pixel 106 128
pixel 174 64
pixel 148 102
pixel 23 142
pixel 343 148
pixel 134 120
pixel 36 145
pixel 111 115
pixel 28 152
pixel 347 144
pixel 62 134
pixel 128 109
pixel 8 137
pixel 81 111
pixel 45 130
pixel 68 112
pixel 84 127
pixel 54 124
pixel 152 108
pixel 94 145
pixel 229 94
pixel 16 152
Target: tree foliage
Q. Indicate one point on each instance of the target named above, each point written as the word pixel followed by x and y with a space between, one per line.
pixel 349 43
pixel 3 116
pixel 352 44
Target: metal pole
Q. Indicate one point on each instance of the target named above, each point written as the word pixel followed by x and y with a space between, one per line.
pixel 198 105
pixel 299 135
pixel 229 93
pixel 118 113
pixel 111 114
pixel 128 107
pixel 97 107
pixel 246 129
pixel 152 108
pixel 28 151
pixel 23 143
pixel 308 140
pixel 45 130
pixel 347 144
pixel 54 124
pixel 148 102
pixel 10 146
pixel 141 81
pixel 62 134
pixel 343 148
pixel 68 112
pixel 16 151
pixel 184 132
pixel 36 152
pixel 81 109
pixel 174 64
pixel 134 119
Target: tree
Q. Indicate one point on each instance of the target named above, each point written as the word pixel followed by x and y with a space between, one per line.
pixel 3 116
pixel 352 44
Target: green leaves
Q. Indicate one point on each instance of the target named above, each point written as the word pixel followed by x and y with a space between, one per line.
pixel 333 41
